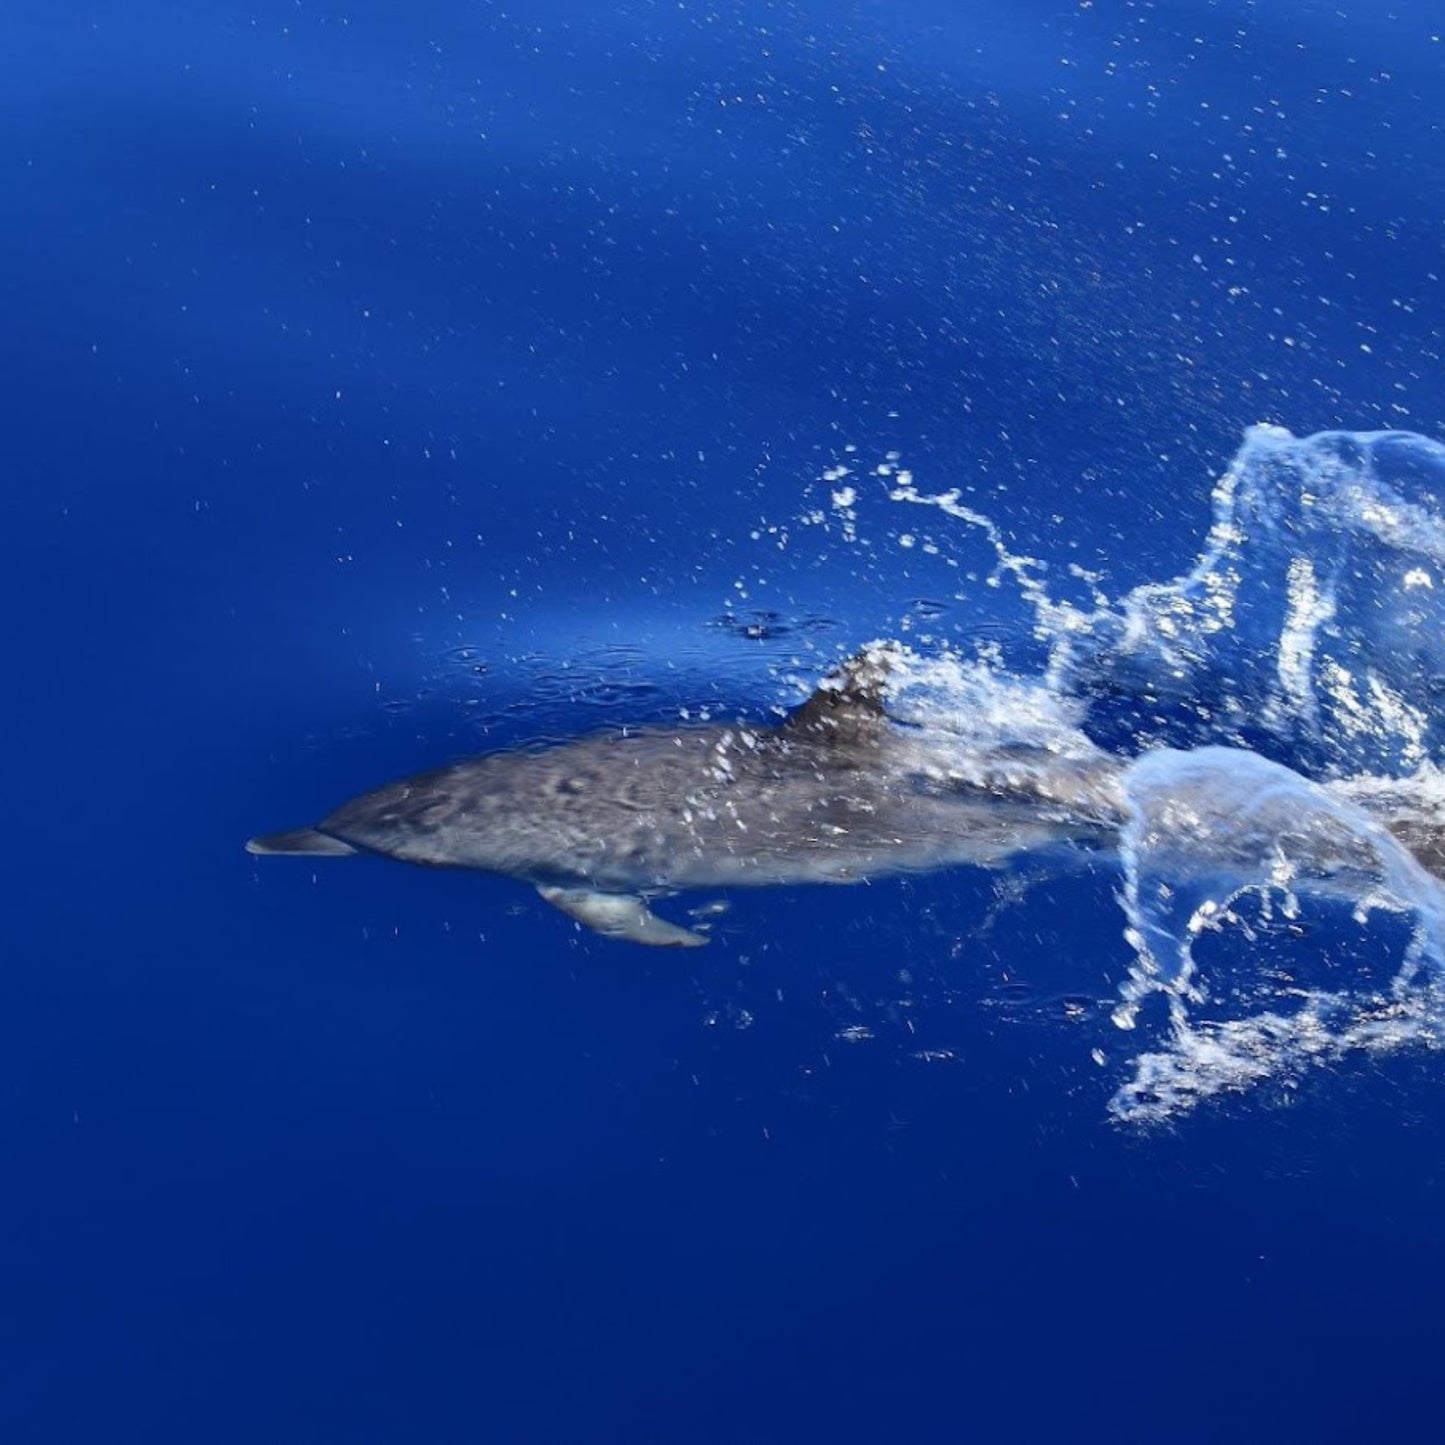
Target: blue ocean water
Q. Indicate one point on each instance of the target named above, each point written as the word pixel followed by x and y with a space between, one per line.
pixel 389 385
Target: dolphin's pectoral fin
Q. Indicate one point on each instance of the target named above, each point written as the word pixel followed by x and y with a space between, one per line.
pixel 620 915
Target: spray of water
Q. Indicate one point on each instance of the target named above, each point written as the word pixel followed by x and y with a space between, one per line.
pixel 1272 738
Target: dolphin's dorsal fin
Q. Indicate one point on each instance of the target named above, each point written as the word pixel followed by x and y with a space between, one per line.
pixel 849 701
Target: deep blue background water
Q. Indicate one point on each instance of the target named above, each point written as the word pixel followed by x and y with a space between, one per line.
pixel 386 383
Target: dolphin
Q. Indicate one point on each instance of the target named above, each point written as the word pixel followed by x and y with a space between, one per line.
pixel 836 792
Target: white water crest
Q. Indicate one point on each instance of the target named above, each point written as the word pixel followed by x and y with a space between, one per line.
pixel 1214 829
pixel 1313 624
pixel 1273 720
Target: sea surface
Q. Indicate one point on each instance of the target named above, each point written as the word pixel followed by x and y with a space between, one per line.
pixel 386 384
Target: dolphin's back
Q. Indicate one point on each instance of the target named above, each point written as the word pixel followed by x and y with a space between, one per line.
pixel 678 808
pixel 623 810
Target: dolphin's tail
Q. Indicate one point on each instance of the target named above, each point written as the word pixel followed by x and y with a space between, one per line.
pixel 299 841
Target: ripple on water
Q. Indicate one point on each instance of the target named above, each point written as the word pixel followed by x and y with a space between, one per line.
pixel 467 658
pixel 765 625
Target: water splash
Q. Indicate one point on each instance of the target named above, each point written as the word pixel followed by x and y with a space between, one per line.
pixel 1207 831
pixel 1275 716
pixel 1312 627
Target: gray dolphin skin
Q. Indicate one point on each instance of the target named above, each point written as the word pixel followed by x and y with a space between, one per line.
pixel 837 792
